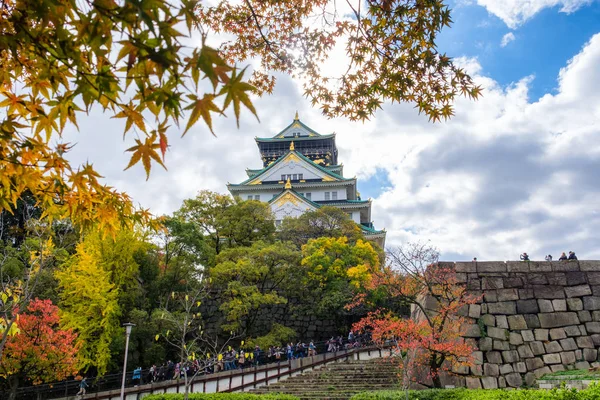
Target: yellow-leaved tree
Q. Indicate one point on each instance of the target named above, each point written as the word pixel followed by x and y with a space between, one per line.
pixel 92 284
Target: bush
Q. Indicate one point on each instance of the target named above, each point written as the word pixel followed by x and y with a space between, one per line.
pixel 591 393
pixel 220 396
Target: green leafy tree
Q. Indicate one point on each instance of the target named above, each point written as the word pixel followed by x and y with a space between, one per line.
pixel 325 222
pixel 336 270
pixel 253 279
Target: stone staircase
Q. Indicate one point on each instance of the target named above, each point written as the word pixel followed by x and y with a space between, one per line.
pixel 338 381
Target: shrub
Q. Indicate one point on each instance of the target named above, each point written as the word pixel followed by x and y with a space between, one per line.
pixel 220 396
pixel 591 393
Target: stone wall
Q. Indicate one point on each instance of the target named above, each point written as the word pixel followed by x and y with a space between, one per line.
pixel 534 318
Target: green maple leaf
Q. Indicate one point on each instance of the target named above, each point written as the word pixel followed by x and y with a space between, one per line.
pixel 202 108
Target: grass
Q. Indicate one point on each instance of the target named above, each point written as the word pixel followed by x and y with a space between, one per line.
pixel 575 374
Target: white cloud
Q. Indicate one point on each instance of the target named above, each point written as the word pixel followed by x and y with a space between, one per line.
pixel 517 12
pixel 506 39
pixel 505 175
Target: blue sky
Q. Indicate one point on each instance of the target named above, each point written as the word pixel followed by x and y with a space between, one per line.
pixel 542 45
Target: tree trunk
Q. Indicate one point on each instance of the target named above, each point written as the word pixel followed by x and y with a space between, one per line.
pixel 13 383
pixel 434 370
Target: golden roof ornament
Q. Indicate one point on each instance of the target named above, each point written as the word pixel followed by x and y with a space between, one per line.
pixel 292 148
pixel 296 117
pixel 288 184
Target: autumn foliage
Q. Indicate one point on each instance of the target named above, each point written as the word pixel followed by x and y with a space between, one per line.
pixel 41 351
pixel 429 341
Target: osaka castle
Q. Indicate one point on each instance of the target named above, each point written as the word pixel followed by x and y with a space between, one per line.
pixel 301 173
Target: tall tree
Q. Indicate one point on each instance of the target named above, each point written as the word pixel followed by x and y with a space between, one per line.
pixel 61 59
pixel 41 351
pixel 251 280
pixel 95 285
pixel 432 336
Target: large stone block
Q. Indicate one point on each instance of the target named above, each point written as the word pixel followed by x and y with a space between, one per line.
pixel 516 322
pixel 576 278
pixel 578 291
pixel 541 334
pixel 540 266
pixel 491 369
pixel 558 319
pixel 537 348
pixel 477 357
pixel 551 358
pixel 494 357
pixel 514 380
pixel 491 266
pixel 557 279
pixel 574 304
pixel 559 304
pixel 489 296
pixel 545 305
pixel 528 336
pixel 590 355
pixel 485 344
pixel 528 306
pixel 473 383
pixel 532 321
pixel 506 369
pixel 474 311
pixel 477 370
pixel 520 367
pixel 501 321
pixel 591 303
pixel 489 382
pixel 593 278
pixel 517 266
pixel 530 379
pixel 515 338
pixel 596 339
pixel 465 266
pixel 584 316
pixel 501 382
pixel 549 292
pixel 572 331
pixel 589 266
pixel 505 307
pixel 567 357
pixel 557 367
pixel 582 365
pixel 491 282
pixel 541 372
pixel 585 342
pixel 488 320
pixel 471 331
pixel 534 363
pixel 557 333
pixel 537 279
pixel 525 294
pixel 565 266
pixel 497 333
pixel 524 351
pixel 553 347
pixel 508 294
pixel 510 356
pixel 501 345
pixel 513 282
pixel 592 327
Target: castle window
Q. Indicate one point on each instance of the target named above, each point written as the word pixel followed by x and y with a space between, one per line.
pixel 283 177
pixel 327 195
pixel 295 177
pixel 307 195
pixel 300 176
pixel 249 197
pixel 257 197
pixel 333 195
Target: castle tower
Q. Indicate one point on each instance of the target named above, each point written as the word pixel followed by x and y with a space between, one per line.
pixel 301 173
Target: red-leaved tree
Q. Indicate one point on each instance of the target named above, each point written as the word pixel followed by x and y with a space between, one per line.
pixel 41 351
pixel 430 340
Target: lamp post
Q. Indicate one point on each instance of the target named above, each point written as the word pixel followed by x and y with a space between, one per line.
pixel 128 327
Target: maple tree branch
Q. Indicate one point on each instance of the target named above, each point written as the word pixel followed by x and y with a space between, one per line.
pixel 260 31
